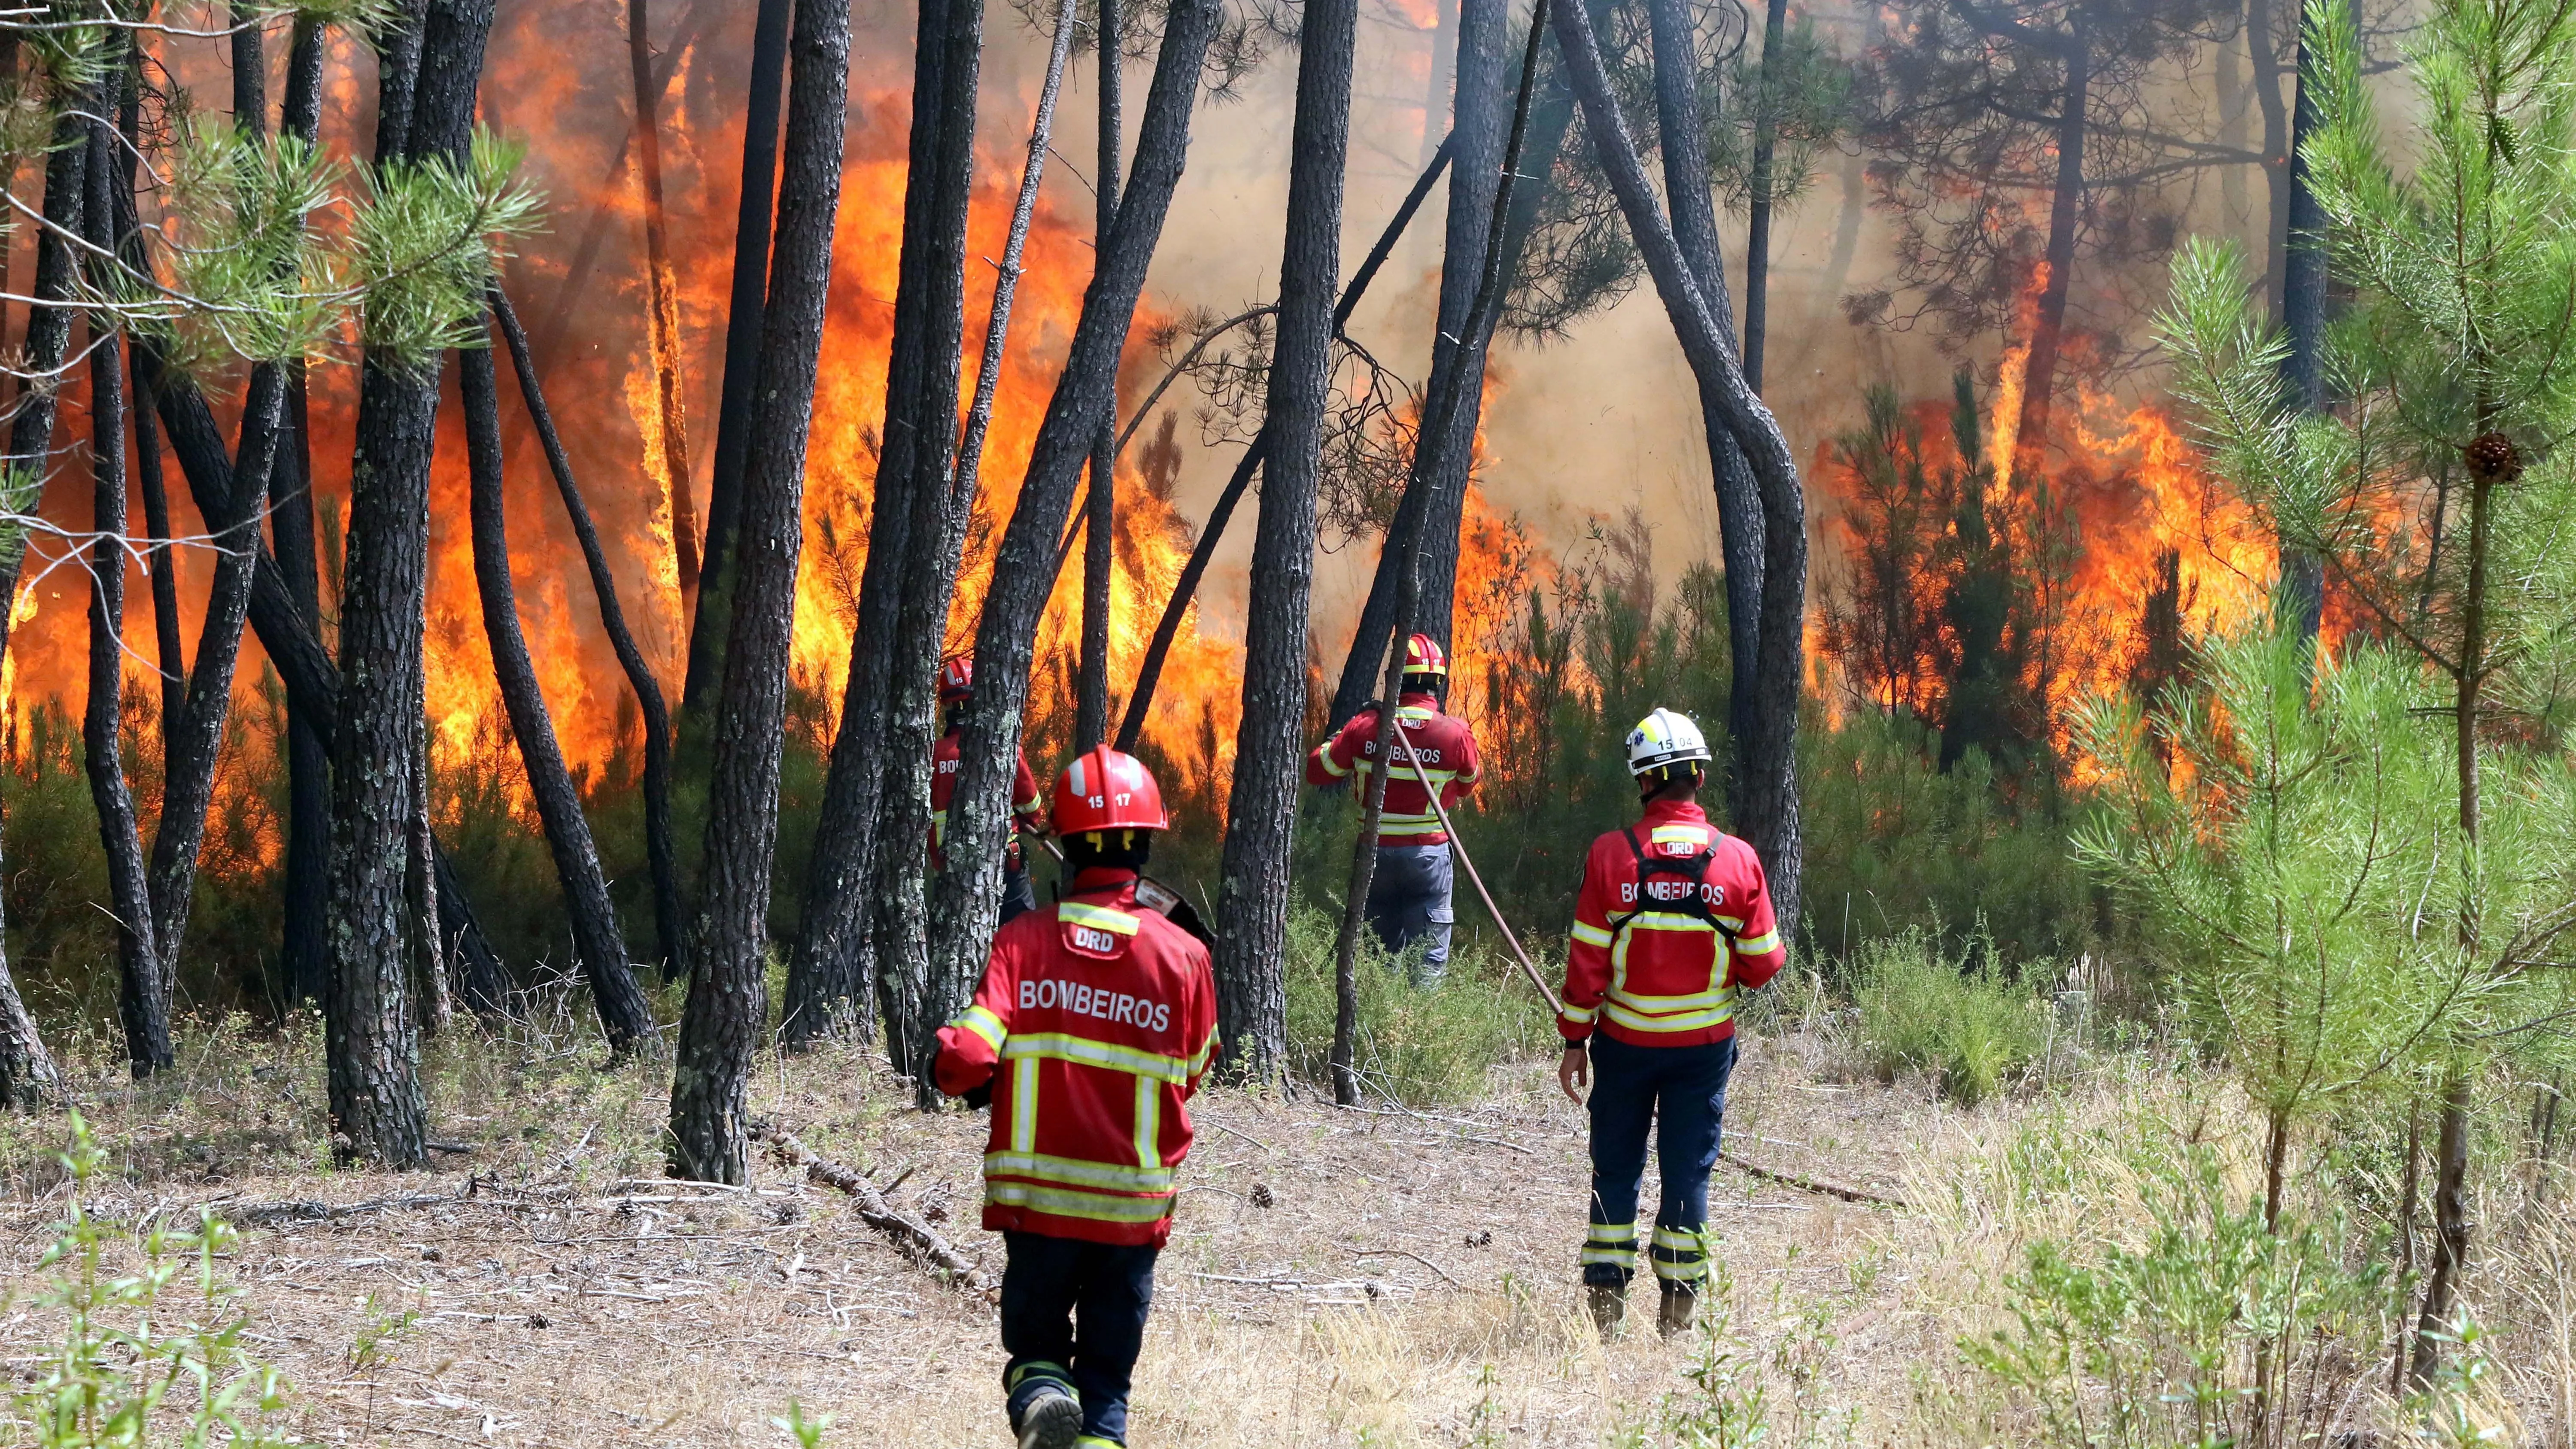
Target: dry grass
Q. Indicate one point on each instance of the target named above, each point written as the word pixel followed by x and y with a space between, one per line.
pixel 1411 1282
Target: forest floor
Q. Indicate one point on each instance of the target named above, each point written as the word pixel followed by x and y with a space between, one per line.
pixel 1391 1277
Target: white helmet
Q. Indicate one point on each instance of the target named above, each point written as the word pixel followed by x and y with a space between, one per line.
pixel 1664 738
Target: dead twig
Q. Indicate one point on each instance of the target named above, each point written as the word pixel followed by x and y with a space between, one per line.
pixel 1246 1136
pixel 266 1214
pixel 1408 1253
pixel 915 1237
pixel 1809 1184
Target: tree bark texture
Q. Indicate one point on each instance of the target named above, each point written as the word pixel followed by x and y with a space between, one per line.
pixel 298 556
pixel 160 562
pixel 834 965
pixel 1100 501
pixel 624 1016
pixel 662 297
pixel 1768 815
pixel 2065 208
pixel 373 1037
pixel 1757 227
pixel 967 898
pixel 743 330
pixel 143 987
pixel 250 70
pixel 1261 816
pixel 669 920
pixel 1476 146
pixel 1140 699
pixel 728 1002
pixel 936 534
pixel 2303 319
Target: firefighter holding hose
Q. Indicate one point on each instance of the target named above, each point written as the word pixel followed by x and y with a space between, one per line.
pixel 1673 921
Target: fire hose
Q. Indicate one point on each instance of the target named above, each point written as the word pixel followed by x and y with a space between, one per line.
pixel 1460 846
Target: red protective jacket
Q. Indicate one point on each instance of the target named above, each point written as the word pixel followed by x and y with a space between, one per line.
pixel 1448 750
pixel 1659 954
pixel 1104 1014
pixel 1025 801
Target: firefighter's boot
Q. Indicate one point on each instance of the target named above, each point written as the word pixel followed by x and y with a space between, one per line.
pixel 1051 1419
pixel 1609 1306
pixel 1680 1305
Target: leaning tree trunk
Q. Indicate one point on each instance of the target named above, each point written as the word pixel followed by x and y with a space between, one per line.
pixel 1768 814
pixel 1100 502
pixel 662 297
pixel 160 559
pixel 833 967
pixel 2065 206
pixel 967 899
pixel 743 332
pixel 143 986
pixel 624 1015
pixel 1475 146
pixel 2303 319
pixel 27 1075
pixel 728 1003
pixel 373 1040
pixel 1760 205
pixel 298 556
pixel 928 575
pixel 668 920
pixel 1261 815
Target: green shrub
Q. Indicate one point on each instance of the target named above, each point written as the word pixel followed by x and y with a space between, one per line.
pixel 1960 1017
pixel 1414 1046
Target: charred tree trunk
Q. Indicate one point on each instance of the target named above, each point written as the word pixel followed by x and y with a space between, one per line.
pixel 834 966
pixel 433 1004
pixel 744 314
pixel 298 557
pixel 668 918
pixel 936 534
pixel 2065 207
pixel 373 1041
pixel 2303 319
pixel 1140 699
pixel 143 988
pixel 967 898
pixel 662 296
pixel 1757 228
pixel 1100 502
pixel 1261 816
pixel 1475 145
pixel 728 1003
pixel 1768 815
pixel 624 1015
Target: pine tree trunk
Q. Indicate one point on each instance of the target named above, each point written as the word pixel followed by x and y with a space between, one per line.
pixel 308 756
pixel 1261 814
pixel 1768 815
pixel 624 1015
pixel 376 1102
pixel 1140 699
pixel 834 965
pixel 160 561
pixel 433 1005
pixel 745 309
pixel 143 994
pixel 2065 207
pixel 2303 319
pixel 662 298
pixel 728 1005
pixel 668 919
pixel 1757 228
pixel 1100 501
pixel 967 898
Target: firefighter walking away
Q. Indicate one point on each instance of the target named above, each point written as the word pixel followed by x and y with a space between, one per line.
pixel 956 689
pixel 1091 1030
pixel 1673 921
pixel 1409 893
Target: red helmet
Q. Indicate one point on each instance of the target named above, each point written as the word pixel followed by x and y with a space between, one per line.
pixel 1105 790
pixel 1422 656
pixel 956 679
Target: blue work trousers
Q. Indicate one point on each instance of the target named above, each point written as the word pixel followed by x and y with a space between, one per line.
pixel 1073 1313
pixel 1681 1089
pixel 1408 901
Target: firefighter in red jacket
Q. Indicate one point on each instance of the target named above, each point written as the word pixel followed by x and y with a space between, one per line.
pixel 1409 893
pixel 1092 1028
pixel 956 687
pixel 1674 920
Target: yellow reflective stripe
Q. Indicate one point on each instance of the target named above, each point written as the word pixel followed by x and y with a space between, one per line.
pixel 1103 917
pixel 984 1024
pixel 1078 1172
pixel 1199 1063
pixel 1662 834
pixel 1149 1123
pixel 1677 1239
pixel 1094 1441
pixel 1671 921
pixel 1062 1047
pixel 1332 767
pixel 1615 1257
pixel 1071 1202
pixel 1690 1272
pixel 1698 1000
pixel 1580 1015
pixel 1689 1021
pixel 1415 715
pixel 1024 1104
pixel 1762 945
pixel 1591 935
pixel 1606 1233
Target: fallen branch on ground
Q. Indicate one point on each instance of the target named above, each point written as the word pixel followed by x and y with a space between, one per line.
pixel 1809 1184
pixel 917 1239
pixel 266 1214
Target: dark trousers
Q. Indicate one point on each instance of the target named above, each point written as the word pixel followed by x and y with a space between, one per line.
pixel 1408 901
pixel 1017 894
pixel 1073 1313
pixel 1683 1090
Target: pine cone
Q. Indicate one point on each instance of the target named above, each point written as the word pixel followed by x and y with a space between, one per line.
pixel 2493 456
